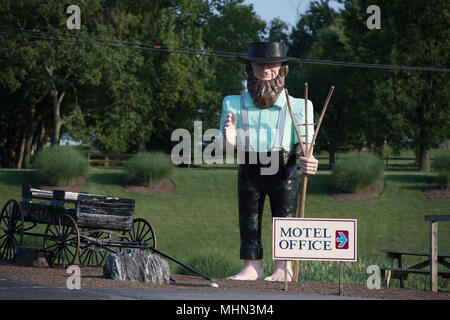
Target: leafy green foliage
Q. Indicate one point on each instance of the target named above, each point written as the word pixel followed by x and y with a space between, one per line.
pixel 60 165
pixel 356 172
pixel 370 108
pixel 411 109
pixel 147 168
pixel 124 100
pixel 117 99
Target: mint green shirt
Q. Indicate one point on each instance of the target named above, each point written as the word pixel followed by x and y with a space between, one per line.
pixel 263 122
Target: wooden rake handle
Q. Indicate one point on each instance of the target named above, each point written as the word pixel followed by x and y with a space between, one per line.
pixel 306 152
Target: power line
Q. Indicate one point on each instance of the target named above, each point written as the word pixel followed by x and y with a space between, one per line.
pixel 113 43
pixel 52 36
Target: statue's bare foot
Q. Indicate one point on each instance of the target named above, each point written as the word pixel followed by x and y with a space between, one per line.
pixel 278 273
pixel 252 271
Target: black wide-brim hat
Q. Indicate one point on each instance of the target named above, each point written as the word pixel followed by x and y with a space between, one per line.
pixel 266 52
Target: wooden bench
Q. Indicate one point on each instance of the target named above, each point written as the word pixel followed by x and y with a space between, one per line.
pixel 402 272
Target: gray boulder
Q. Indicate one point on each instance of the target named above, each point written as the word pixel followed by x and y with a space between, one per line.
pixel 136 265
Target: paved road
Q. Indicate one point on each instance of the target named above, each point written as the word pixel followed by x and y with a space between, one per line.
pixel 16 290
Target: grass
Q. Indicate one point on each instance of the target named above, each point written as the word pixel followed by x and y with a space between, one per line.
pixel 198 223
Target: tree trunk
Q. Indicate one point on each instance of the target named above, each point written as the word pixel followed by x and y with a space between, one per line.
pixel 57 123
pixel 31 128
pixel 332 158
pixel 41 138
pixel 424 159
pixel 19 160
pixel 56 107
pixel 424 151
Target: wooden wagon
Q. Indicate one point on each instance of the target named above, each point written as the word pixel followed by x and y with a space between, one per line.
pixel 81 234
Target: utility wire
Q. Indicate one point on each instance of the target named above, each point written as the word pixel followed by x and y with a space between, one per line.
pixel 52 36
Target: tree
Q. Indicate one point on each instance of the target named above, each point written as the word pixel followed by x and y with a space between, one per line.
pixel 318 16
pixel 231 27
pixel 321 31
pixel 116 99
pixel 47 72
pixel 278 31
pixel 414 105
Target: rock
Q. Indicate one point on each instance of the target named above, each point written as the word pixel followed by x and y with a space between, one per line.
pixel 31 256
pixel 40 262
pixel 136 265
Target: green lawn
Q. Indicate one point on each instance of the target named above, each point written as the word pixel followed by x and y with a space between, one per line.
pixel 198 223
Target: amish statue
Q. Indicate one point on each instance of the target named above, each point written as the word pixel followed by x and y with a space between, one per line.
pixel 257 123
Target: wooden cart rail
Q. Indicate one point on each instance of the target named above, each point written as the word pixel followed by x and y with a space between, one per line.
pixel 92 211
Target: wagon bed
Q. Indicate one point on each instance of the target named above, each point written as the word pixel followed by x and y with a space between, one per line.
pixel 96 225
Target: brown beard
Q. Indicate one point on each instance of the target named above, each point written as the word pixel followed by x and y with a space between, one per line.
pixel 265 92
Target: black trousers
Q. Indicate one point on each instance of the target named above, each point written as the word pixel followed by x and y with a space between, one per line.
pixel 282 189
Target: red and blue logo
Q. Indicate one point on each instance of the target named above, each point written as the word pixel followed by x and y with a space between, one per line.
pixel 342 239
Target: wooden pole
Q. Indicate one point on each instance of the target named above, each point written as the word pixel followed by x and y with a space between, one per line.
pixel 306 121
pixel 285 276
pixel 433 256
pixel 304 183
pixel 307 153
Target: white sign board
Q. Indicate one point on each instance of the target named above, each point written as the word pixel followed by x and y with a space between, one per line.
pixel 314 239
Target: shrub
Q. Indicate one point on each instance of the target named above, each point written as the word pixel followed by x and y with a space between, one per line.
pixel 441 164
pixel 60 165
pixel 356 172
pixel 147 168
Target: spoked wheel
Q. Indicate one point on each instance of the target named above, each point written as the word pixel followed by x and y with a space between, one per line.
pixel 140 235
pixel 11 229
pixel 91 253
pixel 61 241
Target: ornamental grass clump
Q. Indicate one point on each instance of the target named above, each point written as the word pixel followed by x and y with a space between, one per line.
pixel 60 165
pixel 214 264
pixel 147 168
pixel 356 172
pixel 441 164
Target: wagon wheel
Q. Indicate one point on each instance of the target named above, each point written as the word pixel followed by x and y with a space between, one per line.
pixel 141 235
pixel 61 241
pixel 11 223
pixel 92 254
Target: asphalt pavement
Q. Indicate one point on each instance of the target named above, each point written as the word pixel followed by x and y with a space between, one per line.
pixel 16 290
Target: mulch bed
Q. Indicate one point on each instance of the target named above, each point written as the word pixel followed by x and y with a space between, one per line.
pixel 435 192
pixel 92 277
pixel 79 185
pixel 165 186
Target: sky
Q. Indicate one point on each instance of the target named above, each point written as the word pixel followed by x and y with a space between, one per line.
pixel 286 10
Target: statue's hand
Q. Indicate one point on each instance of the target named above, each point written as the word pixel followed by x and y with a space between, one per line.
pixel 229 129
pixel 308 165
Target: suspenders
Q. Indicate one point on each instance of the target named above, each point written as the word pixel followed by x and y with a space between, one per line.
pixel 280 126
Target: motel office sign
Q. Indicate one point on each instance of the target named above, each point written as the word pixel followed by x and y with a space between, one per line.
pixel 314 239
